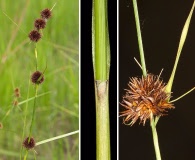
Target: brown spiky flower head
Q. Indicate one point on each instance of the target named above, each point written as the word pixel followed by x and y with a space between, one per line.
pixel 39 24
pixel 37 77
pixel 145 99
pixel 34 36
pixel 29 143
pixel 46 13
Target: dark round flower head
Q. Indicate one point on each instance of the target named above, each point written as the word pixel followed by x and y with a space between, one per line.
pixel 46 13
pixel 145 98
pixel 34 36
pixel 39 24
pixel 37 77
pixel 29 144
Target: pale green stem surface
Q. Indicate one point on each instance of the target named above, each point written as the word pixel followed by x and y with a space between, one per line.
pixel 139 36
pixel 101 65
pixel 155 139
pixel 36 55
pixel 57 137
pixel 181 43
pixel 102 121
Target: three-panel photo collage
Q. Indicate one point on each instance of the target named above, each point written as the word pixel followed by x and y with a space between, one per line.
pixel 97 80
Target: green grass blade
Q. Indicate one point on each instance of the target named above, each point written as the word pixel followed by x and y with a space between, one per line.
pixel 181 43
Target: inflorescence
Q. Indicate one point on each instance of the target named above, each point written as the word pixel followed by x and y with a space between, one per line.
pixel 39 24
pixel 145 98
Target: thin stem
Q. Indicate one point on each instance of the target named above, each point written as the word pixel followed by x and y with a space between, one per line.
pixel 182 95
pixel 36 57
pixel 33 115
pixel 155 139
pixel 26 155
pixel 143 66
pixel 57 137
pixel 139 36
pixel 25 115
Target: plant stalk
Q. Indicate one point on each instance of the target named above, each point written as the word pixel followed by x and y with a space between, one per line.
pixel 139 37
pixel 152 122
pixel 101 65
pixel 155 139
pixel 57 137
pixel 33 115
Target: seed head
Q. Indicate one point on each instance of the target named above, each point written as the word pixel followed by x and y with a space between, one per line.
pixel 34 36
pixel 37 77
pixel 39 24
pixel 17 92
pixel 29 144
pixel 145 98
pixel 46 13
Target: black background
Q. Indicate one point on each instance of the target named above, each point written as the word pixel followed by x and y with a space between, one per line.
pixel 161 24
pixel 87 97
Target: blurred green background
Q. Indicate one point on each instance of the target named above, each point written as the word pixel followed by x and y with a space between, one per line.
pixel 57 112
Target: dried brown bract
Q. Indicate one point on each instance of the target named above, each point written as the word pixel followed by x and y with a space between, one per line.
pixel 29 144
pixel 145 98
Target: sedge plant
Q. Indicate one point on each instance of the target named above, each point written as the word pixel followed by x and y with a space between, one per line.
pixel 24 109
pixel 101 66
pixel 149 97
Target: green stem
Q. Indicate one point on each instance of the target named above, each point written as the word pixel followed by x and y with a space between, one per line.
pixel 101 65
pixel 36 56
pixel 33 115
pixel 139 36
pixel 155 139
pixel 57 137
pixel 25 115
pixel 152 122
pixel 102 121
pixel 100 40
pixel 26 155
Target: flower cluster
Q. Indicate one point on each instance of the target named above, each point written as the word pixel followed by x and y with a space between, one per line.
pixel 39 24
pixel 16 96
pixel 29 143
pixel 145 98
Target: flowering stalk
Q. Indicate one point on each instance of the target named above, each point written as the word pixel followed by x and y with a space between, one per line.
pixel 152 122
pixel 139 37
pixel 101 65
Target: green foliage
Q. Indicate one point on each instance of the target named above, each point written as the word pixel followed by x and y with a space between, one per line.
pixel 56 110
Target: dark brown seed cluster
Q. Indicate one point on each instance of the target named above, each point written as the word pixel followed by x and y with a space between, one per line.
pixel 17 92
pixel 37 77
pixel 29 144
pixel 145 98
pixel 34 36
pixel 40 23
pixel 16 96
pixel 46 13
